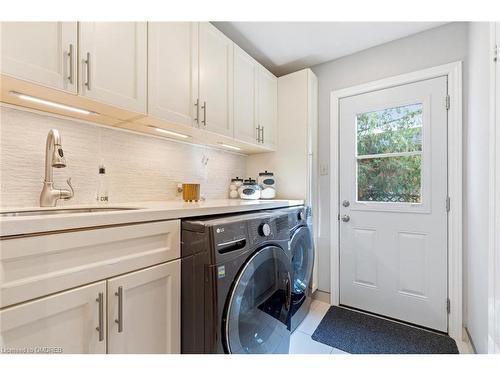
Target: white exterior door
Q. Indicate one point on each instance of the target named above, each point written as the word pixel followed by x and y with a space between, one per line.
pixel 215 80
pixel 144 310
pixel 66 322
pixel 41 52
pixel 173 71
pixel 393 194
pixel 113 63
pixel 245 96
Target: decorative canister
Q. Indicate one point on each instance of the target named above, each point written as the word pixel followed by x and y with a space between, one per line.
pixel 234 186
pixel 268 184
pixel 266 179
pixel 250 189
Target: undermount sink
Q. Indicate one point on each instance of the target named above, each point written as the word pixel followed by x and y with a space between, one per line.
pixel 59 211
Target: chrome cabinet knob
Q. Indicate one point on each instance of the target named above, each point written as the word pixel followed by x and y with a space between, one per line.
pixel 346 218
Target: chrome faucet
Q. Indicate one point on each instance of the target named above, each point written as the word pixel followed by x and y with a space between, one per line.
pixel 54 157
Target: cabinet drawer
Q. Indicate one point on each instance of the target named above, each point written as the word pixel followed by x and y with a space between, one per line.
pixel 36 266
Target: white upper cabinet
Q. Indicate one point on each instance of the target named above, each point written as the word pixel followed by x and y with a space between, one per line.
pixel 215 80
pixel 173 71
pixel 246 71
pixel 144 311
pixel 41 52
pixel 113 63
pixel 268 108
pixel 72 321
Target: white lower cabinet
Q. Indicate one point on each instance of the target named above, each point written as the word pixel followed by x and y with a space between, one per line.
pixel 144 310
pixel 68 322
pixel 138 312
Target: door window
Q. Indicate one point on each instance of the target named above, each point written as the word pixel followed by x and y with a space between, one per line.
pixel 389 154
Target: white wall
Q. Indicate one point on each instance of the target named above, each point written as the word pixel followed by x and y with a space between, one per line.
pixel 437 46
pixel 139 167
pixel 476 208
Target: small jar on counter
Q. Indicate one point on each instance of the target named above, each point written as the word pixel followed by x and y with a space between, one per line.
pixel 267 182
pixel 234 186
pixel 250 189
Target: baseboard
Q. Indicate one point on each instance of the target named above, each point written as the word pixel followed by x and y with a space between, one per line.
pixel 467 345
pixel 321 296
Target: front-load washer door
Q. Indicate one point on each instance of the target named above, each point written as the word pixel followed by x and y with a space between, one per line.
pixel 302 249
pixel 257 317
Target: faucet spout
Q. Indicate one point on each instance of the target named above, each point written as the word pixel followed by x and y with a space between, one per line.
pixel 54 158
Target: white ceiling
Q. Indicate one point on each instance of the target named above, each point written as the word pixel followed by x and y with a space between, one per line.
pixel 285 47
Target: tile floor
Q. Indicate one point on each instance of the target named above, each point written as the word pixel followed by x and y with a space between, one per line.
pixel 301 341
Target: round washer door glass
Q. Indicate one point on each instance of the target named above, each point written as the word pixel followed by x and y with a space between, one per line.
pixel 257 317
pixel 302 261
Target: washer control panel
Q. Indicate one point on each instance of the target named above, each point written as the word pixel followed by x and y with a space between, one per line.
pixel 265 230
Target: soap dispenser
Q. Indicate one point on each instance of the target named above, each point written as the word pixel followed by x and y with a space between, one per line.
pixel 102 196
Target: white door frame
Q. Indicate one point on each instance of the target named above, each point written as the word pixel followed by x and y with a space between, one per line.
pixel 454 73
pixel 494 189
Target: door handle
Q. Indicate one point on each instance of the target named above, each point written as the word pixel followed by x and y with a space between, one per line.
pixel 87 63
pixel 119 321
pixel 100 327
pixel 346 218
pixel 70 57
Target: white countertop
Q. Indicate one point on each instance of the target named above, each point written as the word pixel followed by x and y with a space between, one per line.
pixel 147 211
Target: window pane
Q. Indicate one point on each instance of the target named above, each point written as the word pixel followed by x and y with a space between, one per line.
pixel 390 130
pixel 390 179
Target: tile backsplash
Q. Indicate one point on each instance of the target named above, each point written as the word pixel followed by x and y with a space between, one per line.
pixel 138 167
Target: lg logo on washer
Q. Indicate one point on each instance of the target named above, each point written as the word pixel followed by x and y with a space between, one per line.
pixel 220 230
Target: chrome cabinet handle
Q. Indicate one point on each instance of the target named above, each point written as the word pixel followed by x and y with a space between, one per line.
pixel 262 139
pixel 258 134
pixel 87 63
pixel 204 107
pixel 100 327
pixel 119 321
pixel 70 57
pixel 346 218
pixel 197 105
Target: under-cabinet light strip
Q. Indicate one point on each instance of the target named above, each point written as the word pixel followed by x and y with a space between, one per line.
pixel 49 103
pixel 164 131
pixel 230 147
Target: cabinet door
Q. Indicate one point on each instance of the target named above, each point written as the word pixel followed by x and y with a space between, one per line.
pixel 144 310
pixel 173 71
pixel 66 322
pixel 215 80
pixel 268 107
pixel 113 63
pixel 41 52
pixel 245 96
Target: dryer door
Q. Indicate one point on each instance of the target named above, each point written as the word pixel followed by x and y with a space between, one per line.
pixel 301 246
pixel 257 317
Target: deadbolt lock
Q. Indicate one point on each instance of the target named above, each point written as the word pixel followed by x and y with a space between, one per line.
pixel 346 203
